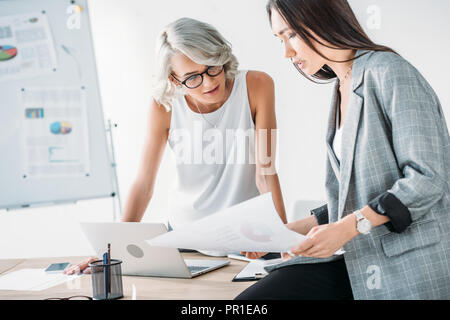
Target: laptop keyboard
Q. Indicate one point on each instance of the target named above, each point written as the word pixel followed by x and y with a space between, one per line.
pixel 194 269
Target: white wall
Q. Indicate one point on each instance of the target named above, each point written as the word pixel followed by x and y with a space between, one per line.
pixel 124 36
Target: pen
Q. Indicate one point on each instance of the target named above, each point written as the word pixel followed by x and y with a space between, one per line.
pixel 109 268
pixel 105 273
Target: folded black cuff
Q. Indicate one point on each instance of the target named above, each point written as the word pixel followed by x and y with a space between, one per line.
pixel 388 205
pixel 321 214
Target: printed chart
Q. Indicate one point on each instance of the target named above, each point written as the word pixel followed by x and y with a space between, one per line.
pixel 55 136
pixel 7 52
pixel 26 46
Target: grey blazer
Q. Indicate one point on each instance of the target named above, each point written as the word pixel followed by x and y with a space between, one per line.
pixel 394 139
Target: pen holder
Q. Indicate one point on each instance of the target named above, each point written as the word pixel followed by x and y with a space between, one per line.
pixel 106 280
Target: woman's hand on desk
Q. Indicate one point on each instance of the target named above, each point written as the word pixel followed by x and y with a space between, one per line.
pixel 256 255
pixel 82 267
pixel 253 255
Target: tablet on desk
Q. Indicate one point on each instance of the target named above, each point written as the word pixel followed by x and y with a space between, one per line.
pixel 57 267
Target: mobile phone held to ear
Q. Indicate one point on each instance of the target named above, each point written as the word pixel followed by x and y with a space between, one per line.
pixel 57 267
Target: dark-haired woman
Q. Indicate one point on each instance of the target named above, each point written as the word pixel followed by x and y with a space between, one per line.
pixel 388 168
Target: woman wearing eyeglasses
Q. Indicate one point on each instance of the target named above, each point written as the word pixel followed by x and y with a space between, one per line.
pixel 203 106
pixel 388 167
pixel 213 117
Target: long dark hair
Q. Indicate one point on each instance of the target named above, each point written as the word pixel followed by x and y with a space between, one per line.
pixel 331 20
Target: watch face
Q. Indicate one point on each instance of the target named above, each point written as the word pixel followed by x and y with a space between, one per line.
pixel 364 226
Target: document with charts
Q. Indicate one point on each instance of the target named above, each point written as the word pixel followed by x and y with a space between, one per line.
pixel 54 132
pixel 33 280
pixel 253 225
pixel 26 46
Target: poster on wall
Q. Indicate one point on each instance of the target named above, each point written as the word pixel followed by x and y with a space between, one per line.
pixel 26 46
pixel 55 132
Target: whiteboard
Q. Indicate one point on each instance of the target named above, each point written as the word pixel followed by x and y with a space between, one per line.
pixel 53 143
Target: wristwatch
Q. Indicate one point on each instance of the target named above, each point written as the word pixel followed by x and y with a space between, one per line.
pixel 363 225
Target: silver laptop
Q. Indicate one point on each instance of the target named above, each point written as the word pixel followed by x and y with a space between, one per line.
pixel 128 244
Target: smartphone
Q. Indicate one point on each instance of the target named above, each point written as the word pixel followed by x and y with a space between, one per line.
pixel 57 267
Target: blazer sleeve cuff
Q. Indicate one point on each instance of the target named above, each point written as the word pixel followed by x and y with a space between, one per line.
pixel 321 214
pixel 389 205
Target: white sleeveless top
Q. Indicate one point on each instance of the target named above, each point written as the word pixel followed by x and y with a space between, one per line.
pixel 215 166
pixel 337 143
pixel 337 140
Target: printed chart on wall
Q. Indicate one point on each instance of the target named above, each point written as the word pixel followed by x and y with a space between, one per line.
pixel 55 132
pixel 26 46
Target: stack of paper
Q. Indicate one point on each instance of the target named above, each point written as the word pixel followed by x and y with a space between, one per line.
pixel 32 280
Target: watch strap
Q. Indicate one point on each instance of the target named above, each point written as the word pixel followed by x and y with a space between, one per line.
pixel 359 215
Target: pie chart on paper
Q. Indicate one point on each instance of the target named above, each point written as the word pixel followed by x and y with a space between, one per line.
pixel 256 232
pixel 7 53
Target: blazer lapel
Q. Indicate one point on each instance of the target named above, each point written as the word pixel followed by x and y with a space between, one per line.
pixel 330 133
pixel 350 129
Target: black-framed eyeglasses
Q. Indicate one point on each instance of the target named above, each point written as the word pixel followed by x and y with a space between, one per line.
pixel 196 80
pixel 72 298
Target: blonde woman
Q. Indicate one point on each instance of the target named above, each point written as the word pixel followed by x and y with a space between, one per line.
pixel 213 116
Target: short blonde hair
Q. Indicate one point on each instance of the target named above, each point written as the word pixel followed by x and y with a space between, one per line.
pixel 200 42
